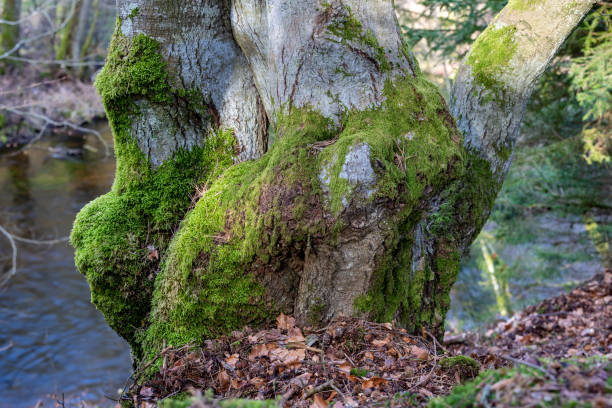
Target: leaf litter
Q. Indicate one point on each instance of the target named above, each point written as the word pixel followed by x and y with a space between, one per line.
pixel 565 343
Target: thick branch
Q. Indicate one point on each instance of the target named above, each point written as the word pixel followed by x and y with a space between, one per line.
pixel 497 78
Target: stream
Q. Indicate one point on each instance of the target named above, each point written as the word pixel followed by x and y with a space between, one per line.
pixel 52 339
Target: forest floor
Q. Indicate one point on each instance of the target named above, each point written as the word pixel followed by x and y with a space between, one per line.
pixel 29 109
pixel 553 354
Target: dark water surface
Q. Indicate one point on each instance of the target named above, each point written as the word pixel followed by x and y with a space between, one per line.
pixel 52 339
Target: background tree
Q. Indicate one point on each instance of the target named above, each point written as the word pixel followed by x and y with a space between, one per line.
pixel 9 26
pixel 356 192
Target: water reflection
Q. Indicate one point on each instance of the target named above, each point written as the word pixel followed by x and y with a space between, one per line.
pixel 52 340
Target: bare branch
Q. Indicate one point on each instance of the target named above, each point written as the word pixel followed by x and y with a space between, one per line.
pixel 65 123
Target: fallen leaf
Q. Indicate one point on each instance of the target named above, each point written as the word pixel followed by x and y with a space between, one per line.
pixel 345 367
pixel 232 360
pixel 153 254
pixel 236 383
pixel 295 335
pixel 381 343
pixel 284 322
pixel 262 350
pixel 373 382
pixel 319 402
pixel 224 380
pixel 258 382
pixel 419 352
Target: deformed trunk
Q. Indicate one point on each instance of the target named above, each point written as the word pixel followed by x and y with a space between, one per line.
pixel 290 156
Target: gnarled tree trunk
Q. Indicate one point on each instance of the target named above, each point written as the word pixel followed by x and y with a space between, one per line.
pixel 290 156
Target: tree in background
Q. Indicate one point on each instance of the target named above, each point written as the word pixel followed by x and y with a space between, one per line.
pixel 9 26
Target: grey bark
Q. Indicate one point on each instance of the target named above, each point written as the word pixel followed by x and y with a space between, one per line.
pixel 197 41
pixel 490 119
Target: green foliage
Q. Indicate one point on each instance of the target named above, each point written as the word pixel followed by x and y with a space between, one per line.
pixel 208 400
pixel 466 367
pixel 591 76
pixel 465 395
pixel 466 19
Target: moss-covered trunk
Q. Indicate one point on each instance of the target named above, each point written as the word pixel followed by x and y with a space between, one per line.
pixel 278 156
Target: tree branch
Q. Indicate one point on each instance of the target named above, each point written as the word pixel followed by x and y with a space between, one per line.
pixel 498 75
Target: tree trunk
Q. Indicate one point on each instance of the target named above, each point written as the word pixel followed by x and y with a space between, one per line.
pixel 81 30
pixel 286 156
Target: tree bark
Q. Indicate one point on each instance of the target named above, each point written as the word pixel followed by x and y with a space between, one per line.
pixel 290 156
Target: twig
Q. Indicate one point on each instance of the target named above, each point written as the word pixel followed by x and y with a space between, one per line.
pixel 319 388
pixel 65 123
pixel 436 341
pixel 303 346
pixel 13 269
pixel 12 238
pixel 333 386
pixel 537 367
pixel 8 346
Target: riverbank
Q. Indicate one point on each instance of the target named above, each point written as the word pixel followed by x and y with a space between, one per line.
pixel 31 108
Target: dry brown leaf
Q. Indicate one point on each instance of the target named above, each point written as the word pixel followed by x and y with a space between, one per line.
pixel 232 360
pixel 345 367
pixel 381 343
pixel 262 350
pixel 295 335
pixel 258 382
pixel 224 380
pixel 373 382
pixel 236 383
pixel 419 352
pixel 284 322
pixel 319 402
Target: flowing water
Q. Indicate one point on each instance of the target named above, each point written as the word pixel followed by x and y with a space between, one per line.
pixel 52 339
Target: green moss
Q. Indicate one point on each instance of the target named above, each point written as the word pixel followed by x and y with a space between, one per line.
pixel 523 5
pixel 205 287
pixel 359 372
pixel 466 367
pixel 208 400
pixel 490 55
pixel 120 237
pixel 134 13
pixel 350 29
